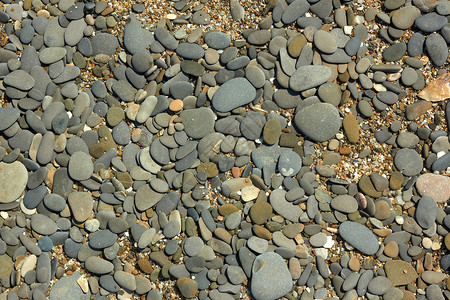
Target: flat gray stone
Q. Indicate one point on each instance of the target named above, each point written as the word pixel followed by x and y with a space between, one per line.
pixel 307 77
pixel 80 166
pixel 359 236
pixel 319 122
pixel 232 94
pixel 270 277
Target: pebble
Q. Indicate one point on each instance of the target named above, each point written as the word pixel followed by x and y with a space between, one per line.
pixel 43 224
pixel 307 77
pixel 320 122
pixel 408 162
pixel 435 186
pixel 80 166
pixel 68 288
pixel 351 233
pixel 344 203
pixel 289 163
pixel 325 41
pixel 426 212
pixel 98 265
pixel 295 10
pixel 19 79
pixel 13 180
pixel 198 122
pixel 270 277
pixel 435 45
pixel 187 286
pixel 232 94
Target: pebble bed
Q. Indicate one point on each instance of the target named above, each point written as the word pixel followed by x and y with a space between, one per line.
pixel 224 150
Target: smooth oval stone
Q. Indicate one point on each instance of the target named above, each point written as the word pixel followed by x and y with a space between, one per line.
pixel 8 115
pixel 379 285
pixel 289 163
pixel 325 41
pixel 359 236
pixel 295 10
pixel 13 180
pixel 270 277
pixel 405 17
pixel 415 44
pixel 232 94
pixel 259 37
pixel 426 212
pixel 98 265
pixel 52 54
pixel 104 43
pixel 136 39
pixel 217 40
pixel 198 122
pixel 408 162
pixel 165 38
pixel 80 166
pixel 307 77
pixel 345 203
pixel 437 49
pixel 102 239
pixel 431 22
pixel 394 52
pixel 43 224
pixel 319 122
pixel 190 51
pixel 20 80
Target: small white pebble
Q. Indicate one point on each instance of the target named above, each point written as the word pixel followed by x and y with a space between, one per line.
pixel 399 220
pixel 427 243
pixel 348 30
pixel 440 154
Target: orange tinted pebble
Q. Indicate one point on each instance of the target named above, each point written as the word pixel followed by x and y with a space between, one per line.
pixel 176 105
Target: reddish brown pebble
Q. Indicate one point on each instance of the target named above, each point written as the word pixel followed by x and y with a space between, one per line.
pixel 415 110
pixel 235 172
pixel 354 264
pixel 145 266
pixel 382 210
pixel 435 186
pixel 362 201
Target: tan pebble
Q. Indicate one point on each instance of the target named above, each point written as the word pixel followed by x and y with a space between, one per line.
pixel 427 243
pixel 249 193
pixel 333 144
pixel 171 16
pixel 132 111
pixel 90 20
pixel 176 105
pixel 435 246
pixel 447 241
pixel 82 282
pixel 43 13
pixel 391 249
pixel 354 264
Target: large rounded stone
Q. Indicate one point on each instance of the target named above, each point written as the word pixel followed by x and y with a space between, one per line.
pixel 319 121
pixel 13 180
pixel 270 277
pixel 232 94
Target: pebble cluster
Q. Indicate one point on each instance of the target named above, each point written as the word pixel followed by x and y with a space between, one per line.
pixel 167 160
